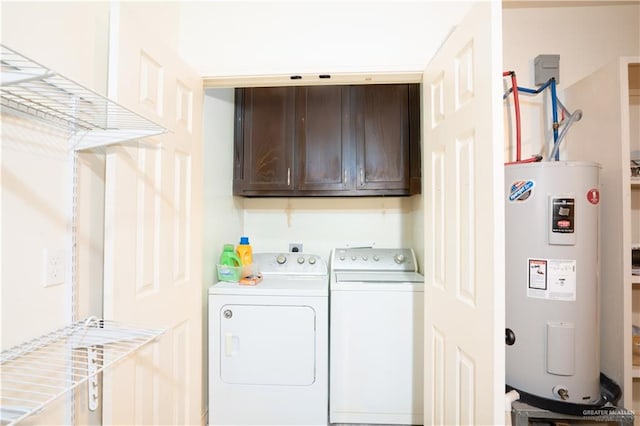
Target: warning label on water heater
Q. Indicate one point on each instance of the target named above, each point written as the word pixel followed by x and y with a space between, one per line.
pixel 552 279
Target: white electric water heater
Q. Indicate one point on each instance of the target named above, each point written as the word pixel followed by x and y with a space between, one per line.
pixel 552 310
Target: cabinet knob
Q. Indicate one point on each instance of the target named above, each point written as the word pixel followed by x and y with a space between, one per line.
pixel 288 176
pixel 361 176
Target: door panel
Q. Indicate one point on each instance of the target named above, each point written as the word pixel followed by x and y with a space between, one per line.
pixel 268 138
pixel 267 345
pixel 383 136
pixel 323 142
pixel 153 259
pixel 464 235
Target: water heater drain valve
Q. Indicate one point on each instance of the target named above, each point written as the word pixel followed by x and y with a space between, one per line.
pixel 561 391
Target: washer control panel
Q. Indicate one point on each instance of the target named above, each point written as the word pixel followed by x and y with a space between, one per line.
pixel 289 263
pixel 373 259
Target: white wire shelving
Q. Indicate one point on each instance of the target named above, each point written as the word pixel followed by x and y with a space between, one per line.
pixel 37 372
pixel 91 119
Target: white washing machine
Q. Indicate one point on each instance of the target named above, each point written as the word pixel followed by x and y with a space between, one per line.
pixel 268 344
pixel 376 337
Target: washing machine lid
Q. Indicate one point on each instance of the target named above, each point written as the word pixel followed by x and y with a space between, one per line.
pixel 311 286
pixel 378 281
pixel 380 277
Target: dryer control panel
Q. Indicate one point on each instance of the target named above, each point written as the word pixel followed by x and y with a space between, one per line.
pixel 290 263
pixel 373 259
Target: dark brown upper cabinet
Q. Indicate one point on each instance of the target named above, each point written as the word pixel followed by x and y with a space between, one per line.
pixel 323 138
pixel 327 141
pixel 384 125
pixel 264 152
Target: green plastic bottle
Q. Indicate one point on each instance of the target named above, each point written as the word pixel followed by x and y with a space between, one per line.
pixel 229 256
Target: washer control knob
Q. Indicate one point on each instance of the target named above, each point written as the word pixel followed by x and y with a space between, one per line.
pixel 376 257
pixel 312 260
pixel 342 257
pixel 354 258
pixel 399 258
pixel 365 258
pixel 301 260
pixel 281 259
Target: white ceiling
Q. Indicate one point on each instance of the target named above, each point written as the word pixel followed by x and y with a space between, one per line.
pixel 281 38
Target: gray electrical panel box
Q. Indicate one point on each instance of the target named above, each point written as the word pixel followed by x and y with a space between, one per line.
pixel 545 68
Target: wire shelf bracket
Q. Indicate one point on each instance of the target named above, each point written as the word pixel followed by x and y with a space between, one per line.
pixel 31 89
pixel 37 372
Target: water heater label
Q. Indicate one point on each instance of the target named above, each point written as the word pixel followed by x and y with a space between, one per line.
pixel 552 279
pixel 563 215
pixel 521 190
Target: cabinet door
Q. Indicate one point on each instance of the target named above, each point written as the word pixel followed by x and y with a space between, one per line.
pixel 382 137
pixel 323 138
pixel 267 139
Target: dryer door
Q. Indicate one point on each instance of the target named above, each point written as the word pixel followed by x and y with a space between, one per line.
pixel 267 345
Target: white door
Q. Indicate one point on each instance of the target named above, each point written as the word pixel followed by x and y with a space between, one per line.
pixel 464 224
pixel 152 229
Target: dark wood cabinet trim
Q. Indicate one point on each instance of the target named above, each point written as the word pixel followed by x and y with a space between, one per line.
pixel 415 154
pixel 238 145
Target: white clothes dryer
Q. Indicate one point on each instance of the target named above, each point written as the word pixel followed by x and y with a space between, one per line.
pixel 268 344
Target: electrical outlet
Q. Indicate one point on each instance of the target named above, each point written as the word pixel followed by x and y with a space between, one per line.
pixel 295 247
pixel 54 267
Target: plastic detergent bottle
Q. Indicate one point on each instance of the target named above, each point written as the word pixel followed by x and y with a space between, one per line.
pixel 244 251
pixel 229 256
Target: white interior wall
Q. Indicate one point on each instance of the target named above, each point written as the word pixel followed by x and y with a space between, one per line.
pixel 322 224
pixel 68 37
pixel 222 212
pixel 36 169
pixel 415 237
pixel 90 234
pixel 236 38
pixel 35 184
pixel 36 201
pixel 539 28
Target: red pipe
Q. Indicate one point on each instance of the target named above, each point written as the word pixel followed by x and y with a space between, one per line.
pixel 516 107
pixel 533 159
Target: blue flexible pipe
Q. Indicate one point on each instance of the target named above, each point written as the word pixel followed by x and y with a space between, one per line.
pixel 536 91
pixel 554 109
